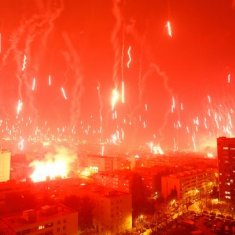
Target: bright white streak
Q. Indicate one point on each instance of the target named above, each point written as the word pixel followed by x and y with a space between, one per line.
pixel 24 63
pixel 129 57
pixel 114 98
pixel 209 99
pixel 49 80
pixel 64 93
pixel 173 105
pixel 19 107
pixel 169 30
pixel 146 107
pixel 194 143
pixel 181 107
pixel 33 84
pixel 21 144
pixel 229 78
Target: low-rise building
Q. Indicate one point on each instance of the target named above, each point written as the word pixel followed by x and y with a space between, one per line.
pixel 188 183
pixel 48 220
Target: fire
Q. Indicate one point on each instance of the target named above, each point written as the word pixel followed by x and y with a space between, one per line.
pixel 114 98
pixel 155 148
pixel 54 165
pixel 88 171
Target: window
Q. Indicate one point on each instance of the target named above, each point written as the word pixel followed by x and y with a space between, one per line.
pixel 40 227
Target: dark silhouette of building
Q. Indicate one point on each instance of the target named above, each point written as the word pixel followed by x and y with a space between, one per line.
pixel 226 164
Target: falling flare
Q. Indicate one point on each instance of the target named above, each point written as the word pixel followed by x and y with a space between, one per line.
pixel 19 107
pixel 49 80
pixel 33 84
pixel 64 93
pixel 24 63
pixel 114 98
pixel 129 57
pixel 229 78
pixel 169 29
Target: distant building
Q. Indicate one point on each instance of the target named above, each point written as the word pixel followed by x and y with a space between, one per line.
pixel 187 184
pixel 112 212
pixel 49 220
pixel 226 164
pixel 5 162
pixel 118 180
pixel 105 163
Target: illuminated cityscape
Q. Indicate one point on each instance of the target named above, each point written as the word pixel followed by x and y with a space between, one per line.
pixel 117 117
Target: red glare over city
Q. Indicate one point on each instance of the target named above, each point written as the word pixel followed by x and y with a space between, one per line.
pixel 156 75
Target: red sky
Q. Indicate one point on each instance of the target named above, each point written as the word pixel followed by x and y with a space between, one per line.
pixel 71 40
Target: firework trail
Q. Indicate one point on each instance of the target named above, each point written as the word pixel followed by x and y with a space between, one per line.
pixel 74 62
pixel 155 68
pixel 100 108
pixel 38 26
pixel 169 28
pixel 129 57
pixel 116 40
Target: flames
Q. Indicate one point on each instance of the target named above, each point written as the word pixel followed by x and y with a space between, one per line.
pixel 55 164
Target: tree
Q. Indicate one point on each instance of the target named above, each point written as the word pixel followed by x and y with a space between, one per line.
pixel 84 207
pixel 139 198
pixel 19 201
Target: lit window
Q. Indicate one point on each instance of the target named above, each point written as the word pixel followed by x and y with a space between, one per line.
pixel 40 227
pixel 228 197
pixel 227 192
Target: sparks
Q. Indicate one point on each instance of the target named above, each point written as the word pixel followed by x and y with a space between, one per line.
pixel 114 98
pixel 49 80
pixel 173 105
pixel 33 84
pixel 24 63
pixel 129 57
pixel 229 78
pixel 146 107
pixel 21 144
pixel 64 93
pixel 209 99
pixel 169 29
pixel 19 107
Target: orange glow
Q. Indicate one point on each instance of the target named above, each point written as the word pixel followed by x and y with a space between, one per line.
pixel 51 170
pixel 54 165
pixel 88 171
pixel 114 98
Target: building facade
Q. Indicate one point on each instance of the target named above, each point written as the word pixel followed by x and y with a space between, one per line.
pixel 48 220
pixel 188 184
pixel 5 163
pixel 226 165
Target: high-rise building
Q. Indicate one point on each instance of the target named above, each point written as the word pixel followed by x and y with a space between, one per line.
pixel 226 164
pixel 5 160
